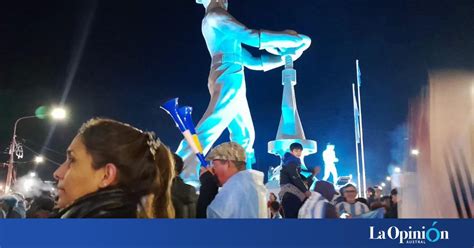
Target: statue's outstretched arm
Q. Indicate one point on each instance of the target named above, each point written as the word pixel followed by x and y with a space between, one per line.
pixel 263 62
pixel 280 39
pixel 294 52
pixel 273 59
pixel 221 20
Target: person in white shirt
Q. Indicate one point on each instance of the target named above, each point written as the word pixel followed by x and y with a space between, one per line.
pixel 243 194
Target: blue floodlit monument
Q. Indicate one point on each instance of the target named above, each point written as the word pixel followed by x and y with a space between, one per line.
pixel 290 129
pixel 228 107
pixel 330 160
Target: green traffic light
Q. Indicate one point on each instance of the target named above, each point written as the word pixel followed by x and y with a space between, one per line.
pixel 41 112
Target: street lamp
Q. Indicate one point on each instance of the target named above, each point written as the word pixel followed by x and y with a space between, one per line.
pixel 397 170
pixel 56 114
pixel 415 152
pixel 388 179
pixel 39 159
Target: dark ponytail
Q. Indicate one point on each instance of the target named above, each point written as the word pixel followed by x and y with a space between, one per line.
pixel 162 204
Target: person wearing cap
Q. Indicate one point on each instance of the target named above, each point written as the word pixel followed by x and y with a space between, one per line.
pixel 293 190
pixel 228 42
pixel 242 193
pixel 318 205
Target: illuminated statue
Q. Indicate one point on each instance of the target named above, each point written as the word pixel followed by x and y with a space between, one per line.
pixel 228 107
pixel 329 157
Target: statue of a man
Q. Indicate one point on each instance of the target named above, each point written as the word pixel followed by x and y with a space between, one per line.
pixel 228 107
pixel 329 157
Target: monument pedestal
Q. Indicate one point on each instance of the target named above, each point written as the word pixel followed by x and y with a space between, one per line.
pixel 290 129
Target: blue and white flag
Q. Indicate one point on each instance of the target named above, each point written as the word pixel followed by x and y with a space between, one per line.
pixel 356 116
pixel 359 80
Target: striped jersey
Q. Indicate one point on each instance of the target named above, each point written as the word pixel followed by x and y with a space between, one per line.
pixel 314 207
pixel 354 209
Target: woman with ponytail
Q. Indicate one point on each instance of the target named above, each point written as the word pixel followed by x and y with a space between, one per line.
pixel 114 170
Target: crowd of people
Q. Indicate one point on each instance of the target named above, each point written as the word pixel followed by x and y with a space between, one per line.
pixel 310 198
pixel 114 170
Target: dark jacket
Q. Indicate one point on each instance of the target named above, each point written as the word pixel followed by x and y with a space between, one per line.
pixel 290 172
pixel 106 203
pixel 330 212
pixel 392 212
pixel 207 193
pixel 308 181
pixel 374 203
pixel 184 199
pixel 41 206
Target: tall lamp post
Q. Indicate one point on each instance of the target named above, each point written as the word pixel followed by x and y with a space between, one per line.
pixel 56 114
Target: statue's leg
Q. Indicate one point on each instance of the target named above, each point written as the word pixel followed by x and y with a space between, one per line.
pixel 220 112
pixel 242 131
pixel 333 173
pixel 326 172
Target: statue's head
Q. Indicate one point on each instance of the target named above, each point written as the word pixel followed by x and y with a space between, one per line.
pixel 206 3
pixel 330 146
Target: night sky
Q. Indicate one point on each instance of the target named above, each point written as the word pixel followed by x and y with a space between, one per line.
pixel 138 54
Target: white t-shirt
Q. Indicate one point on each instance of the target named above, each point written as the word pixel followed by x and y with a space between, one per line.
pixel 242 196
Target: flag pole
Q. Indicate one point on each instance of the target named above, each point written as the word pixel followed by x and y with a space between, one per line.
pixel 361 132
pixel 357 137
